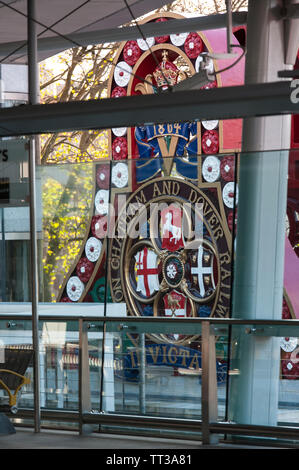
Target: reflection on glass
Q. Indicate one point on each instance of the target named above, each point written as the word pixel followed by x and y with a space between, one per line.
pixel 14 221
pixel 156 377
pixel 65 207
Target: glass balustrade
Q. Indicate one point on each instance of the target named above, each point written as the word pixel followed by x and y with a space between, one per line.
pixel 143 252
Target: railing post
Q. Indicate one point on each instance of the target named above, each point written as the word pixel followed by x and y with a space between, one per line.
pixel 209 383
pixel 142 400
pixel 33 82
pixel 84 380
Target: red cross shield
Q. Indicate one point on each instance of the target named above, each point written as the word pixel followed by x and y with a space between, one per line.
pixel 171 221
pixel 147 272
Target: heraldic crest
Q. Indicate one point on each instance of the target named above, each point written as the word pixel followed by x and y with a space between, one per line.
pixel 162 228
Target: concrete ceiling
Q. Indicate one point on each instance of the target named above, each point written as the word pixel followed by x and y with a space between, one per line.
pixel 65 17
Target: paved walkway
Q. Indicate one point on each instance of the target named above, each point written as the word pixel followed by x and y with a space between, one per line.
pixel 28 439
pixel 47 439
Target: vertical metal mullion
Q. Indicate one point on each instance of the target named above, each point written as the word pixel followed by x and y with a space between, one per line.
pixel 209 383
pixel 33 99
pixel 84 376
pixel 229 25
pixel 142 365
pixel 80 391
pixel 106 297
pixel 3 259
pixel 230 328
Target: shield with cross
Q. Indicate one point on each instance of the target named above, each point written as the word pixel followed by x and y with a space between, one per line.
pixel 202 271
pixel 147 272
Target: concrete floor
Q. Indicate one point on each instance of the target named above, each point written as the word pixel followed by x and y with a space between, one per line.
pixel 47 439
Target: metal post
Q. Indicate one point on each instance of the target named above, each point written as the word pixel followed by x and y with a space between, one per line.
pixel 33 71
pixel 33 97
pixel 209 384
pixel 3 258
pixel 229 25
pixel 84 379
pixel 34 287
pixel 142 405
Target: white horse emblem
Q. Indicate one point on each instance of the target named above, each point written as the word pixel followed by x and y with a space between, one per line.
pixel 175 231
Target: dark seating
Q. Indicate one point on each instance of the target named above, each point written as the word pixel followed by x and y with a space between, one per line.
pixel 12 372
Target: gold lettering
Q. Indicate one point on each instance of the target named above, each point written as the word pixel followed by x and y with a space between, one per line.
pixel 222 310
pixel 156 191
pixel 154 354
pixel 213 220
pixel 194 364
pixel 117 289
pixel 175 188
pixel 140 197
pixel 166 187
pixel 134 363
pixel 224 258
pixel 177 127
pixel 192 196
pixel 116 284
pixel 224 274
pixel 169 128
pixel 119 296
pixel 172 359
pixel 115 251
pixel 218 233
pixel 115 263
pixel 161 129
pixel 184 354
pixel 207 210
pixel 223 294
pixel 164 355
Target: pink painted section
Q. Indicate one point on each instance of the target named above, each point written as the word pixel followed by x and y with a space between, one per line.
pixel 232 128
pixel 291 276
pixel 232 140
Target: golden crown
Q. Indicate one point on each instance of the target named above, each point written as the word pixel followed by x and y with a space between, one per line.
pixel 166 73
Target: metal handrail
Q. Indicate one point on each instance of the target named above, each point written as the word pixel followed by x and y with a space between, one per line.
pixel 130 319
pixel 208 426
pixel 192 425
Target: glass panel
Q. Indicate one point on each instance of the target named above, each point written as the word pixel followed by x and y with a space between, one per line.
pixel 59 362
pixel 13 83
pixel 59 378
pixel 16 339
pixel 95 361
pixel 150 237
pixel 291 262
pixel 145 373
pixel 223 368
pixel 289 371
pixel 259 363
pixel 65 206
pixel 14 221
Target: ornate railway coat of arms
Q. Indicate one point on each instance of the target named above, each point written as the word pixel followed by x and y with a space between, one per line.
pixel 162 227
